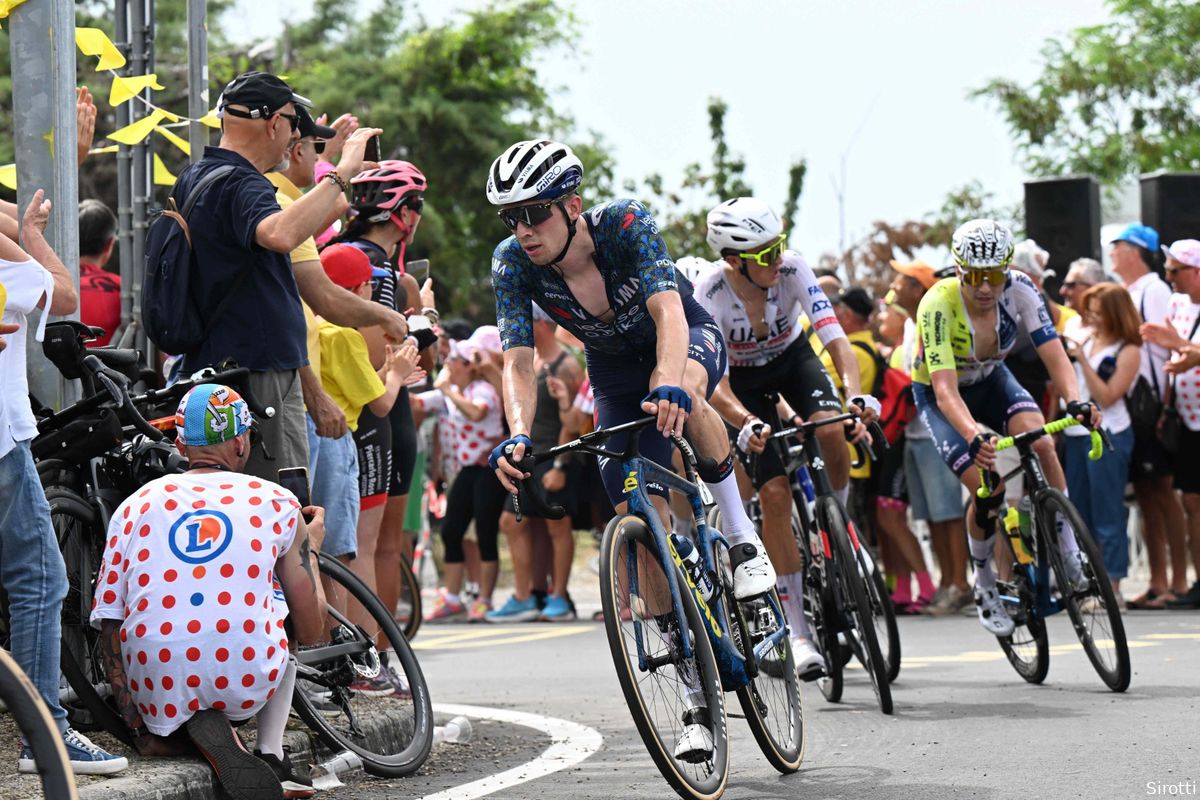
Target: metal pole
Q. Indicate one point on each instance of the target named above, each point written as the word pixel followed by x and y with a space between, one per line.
pixel 197 23
pixel 124 174
pixel 42 49
pixel 140 62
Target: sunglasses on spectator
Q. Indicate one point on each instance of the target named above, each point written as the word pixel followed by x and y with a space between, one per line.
pixel 1172 270
pixel 975 277
pixel 530 215
pixel 766 257
pixel 317 144
pixel 1073 284
pixel 292 119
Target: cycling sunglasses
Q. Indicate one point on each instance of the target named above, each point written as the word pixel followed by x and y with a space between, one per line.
pixel 975 277
pixel 766 257
pixel 530 215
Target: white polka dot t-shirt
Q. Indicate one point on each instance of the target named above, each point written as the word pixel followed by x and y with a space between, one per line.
pixel 1182 316
pixel 189 571
pixel 472 442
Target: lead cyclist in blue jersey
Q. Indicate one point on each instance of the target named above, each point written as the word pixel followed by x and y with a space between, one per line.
pixel 605 275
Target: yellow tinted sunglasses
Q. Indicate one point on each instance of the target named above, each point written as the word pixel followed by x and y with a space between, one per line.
pixel 766 257
pixel 975 277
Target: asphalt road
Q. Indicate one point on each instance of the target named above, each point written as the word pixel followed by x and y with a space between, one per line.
pixel 965 725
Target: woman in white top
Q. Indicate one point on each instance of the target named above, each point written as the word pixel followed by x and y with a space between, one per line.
pixel 1106 364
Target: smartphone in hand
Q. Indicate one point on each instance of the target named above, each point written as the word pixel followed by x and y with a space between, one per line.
pixel 419 269
pixel 295 480
pixel 371 152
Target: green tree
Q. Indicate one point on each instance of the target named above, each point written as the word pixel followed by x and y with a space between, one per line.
pixel 681 212
pixel 449 98
pixel 1113 100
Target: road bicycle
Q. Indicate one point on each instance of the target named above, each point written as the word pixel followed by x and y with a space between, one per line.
pixel 845 599
pixel 33 720
pixel 1034 586
pixel 94 454
pixel 676 646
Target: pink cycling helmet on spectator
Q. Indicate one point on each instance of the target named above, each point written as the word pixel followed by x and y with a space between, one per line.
pixel 380 192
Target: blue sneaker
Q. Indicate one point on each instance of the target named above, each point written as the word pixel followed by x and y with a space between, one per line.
pixel 86 758
pixel 515 611
pixel 557 609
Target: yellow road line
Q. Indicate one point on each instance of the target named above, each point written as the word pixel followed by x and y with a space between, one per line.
pixel 1170 636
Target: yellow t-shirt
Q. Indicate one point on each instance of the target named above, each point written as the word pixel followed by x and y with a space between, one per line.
pixel 1065 315
pixel 312 328
pixel 866 373
pixel 346 371
pixel 287 193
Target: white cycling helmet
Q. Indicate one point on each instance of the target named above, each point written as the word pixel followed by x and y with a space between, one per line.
pixel 982 244
pixel 693 267
pixel 538 169
pixel 742 223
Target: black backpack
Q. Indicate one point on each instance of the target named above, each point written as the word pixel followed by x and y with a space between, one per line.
pixel 169 313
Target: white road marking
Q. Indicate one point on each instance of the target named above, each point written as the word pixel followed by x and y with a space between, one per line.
pixel 570 744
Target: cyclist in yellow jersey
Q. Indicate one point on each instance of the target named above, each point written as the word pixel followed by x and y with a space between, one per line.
pixel 966 325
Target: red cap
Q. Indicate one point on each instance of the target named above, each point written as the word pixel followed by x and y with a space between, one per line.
pixel 346 265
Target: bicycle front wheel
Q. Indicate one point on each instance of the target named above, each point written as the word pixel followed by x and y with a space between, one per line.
pixel 661 687
pixel 771 701
pixel 408 606
pixel 853 600
pixel 1093 611
pixel 391 734
pixel 884 615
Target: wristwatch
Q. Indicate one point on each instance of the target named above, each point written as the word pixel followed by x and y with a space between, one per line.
pixel 562 462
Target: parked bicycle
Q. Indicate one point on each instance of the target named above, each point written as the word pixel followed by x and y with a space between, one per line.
pixel 38 728
pixel 845 599
pixel 94 454
pixel 677 635
pixel 1034 588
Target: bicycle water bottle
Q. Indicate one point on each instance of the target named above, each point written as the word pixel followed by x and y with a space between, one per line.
pixel 1012 527
pixel 692 563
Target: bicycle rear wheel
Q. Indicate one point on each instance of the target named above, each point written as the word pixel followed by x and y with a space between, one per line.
pixel 1094 612
pixel 408 606
pixel 852 598
pixel 39 729
pixel 659 685
pixel 81 542
pixel 401 728
pixel 771 701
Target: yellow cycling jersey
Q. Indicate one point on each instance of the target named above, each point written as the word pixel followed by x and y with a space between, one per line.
pixel 946 337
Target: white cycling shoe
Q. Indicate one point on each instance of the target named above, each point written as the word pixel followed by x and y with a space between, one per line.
pixel 810 664
pixel 695 744
pixel 993 616
pixel 752 571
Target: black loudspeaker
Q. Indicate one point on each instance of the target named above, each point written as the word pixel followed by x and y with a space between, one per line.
pixel 1171 205
pixel 1063 216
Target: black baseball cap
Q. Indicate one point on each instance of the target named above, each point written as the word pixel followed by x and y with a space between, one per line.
pixel 309 127
pixel 261 93
pixel 858 300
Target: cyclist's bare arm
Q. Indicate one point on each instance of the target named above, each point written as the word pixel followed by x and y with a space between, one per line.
pixel 520 403
pixel 671 330
pixel 842 354
pixel 1062 374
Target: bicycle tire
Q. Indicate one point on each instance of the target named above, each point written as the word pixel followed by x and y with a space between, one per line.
pixel 33 719
pixel 884 613
pixel 1114 671
pixel 75 523
pixel 409 755
pixel 819 609
pixel 1028 652
pixel 408 604
pixel 626 539
pixel 855 605
pixel 774 692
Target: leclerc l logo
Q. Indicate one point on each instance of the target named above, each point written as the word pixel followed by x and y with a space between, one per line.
pixel 200 536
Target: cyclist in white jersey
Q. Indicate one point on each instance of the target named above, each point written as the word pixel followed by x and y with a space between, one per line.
pixel 755 296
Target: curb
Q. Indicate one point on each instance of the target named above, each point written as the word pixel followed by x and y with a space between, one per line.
pixel 194 779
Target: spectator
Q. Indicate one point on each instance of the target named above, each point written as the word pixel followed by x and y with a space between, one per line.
pixel 934 492
pixel 1031 259
pixel 553 363
pixel 358 388
pixel 1083 274
pixel 1133 256
pixel 1179 334
pixel 241 240
pixel 31 566
pixel 180 647
pixel 99 289
pixel 472 424
pixel 1106 364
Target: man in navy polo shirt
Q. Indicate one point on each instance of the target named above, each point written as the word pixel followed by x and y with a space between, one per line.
pixel 242 239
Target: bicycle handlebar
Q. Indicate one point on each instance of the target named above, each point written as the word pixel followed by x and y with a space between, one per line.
pixel 1099 440
pixel 117 386
pixel 875 448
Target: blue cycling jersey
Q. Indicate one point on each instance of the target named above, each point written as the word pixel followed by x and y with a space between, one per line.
pixel 634 262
